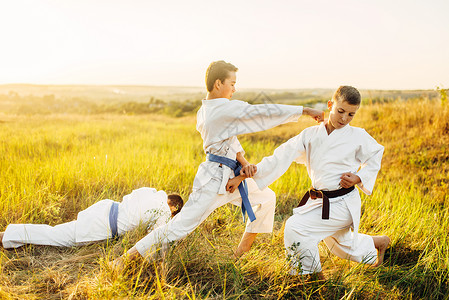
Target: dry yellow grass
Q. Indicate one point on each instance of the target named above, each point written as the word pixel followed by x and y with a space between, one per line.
pixel 54 166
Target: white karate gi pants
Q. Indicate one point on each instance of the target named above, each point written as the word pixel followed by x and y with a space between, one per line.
pixel 92 225
pixel 62 235
pixel 305 229
pixel 202 202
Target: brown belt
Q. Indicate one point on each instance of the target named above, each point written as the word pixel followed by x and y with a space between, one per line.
pixel 325 195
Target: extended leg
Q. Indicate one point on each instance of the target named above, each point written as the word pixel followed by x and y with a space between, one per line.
pixel 17 235
pixel 200 205
pixel 363 249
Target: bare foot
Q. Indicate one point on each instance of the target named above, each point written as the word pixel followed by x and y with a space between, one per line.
pixel 381 243
pixel 245 244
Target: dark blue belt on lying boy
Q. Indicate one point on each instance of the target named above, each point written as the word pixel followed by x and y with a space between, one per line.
pixel 113 215
pixel 243 188
pixel 313 193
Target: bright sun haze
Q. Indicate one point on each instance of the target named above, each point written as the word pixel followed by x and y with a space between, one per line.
pixel 290 44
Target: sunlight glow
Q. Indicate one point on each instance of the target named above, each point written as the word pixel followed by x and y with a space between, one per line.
pixel 290 44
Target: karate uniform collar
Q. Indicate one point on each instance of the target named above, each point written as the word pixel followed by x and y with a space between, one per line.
pixel 216 101
pixel 322 127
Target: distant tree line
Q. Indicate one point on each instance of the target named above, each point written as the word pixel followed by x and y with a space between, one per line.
pixel 13 103
pixel 47 104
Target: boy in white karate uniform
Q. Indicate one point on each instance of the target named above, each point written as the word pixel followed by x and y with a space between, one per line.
pixel 219 121
pixel 338 157
pixel 144 205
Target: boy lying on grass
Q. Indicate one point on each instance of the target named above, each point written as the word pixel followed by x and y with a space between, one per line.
pixel 102 220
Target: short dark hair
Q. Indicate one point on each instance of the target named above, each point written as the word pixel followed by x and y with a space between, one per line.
pixel 218 70
pixel 347 93
pixel 176 201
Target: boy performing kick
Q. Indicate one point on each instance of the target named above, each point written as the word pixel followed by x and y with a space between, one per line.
pixel 338 157
pixel 219 121
pixel 102 220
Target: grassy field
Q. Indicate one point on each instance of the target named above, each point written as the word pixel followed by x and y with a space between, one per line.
pixel 53 166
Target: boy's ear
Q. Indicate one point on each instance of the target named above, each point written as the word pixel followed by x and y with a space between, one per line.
pixel 330 104
pixel 217 84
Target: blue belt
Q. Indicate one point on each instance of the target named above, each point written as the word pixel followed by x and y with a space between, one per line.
pixel 113 215
pixel 243 188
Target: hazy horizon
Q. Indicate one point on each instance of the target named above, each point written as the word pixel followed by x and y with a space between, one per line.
pixel 200 88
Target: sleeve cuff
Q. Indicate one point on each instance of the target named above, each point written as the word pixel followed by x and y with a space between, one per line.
pixel 364 188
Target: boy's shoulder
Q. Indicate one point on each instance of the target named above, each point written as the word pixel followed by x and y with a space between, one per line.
pixel 223 102
pixel 313 129
pixel 358 130
pixel 310 132
pixel 223 106
pixel 362 135
pixel 216 101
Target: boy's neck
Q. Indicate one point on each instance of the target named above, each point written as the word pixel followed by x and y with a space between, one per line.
pixel 213 95
pixel 329 127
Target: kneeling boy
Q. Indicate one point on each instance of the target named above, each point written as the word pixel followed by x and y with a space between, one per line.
pixel 338 157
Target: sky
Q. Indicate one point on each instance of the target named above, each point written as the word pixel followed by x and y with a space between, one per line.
pixel 378 44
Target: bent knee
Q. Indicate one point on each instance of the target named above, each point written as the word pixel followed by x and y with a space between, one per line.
pixel 267 199
pixel 270 193
pixel 293 229
pixel 289 228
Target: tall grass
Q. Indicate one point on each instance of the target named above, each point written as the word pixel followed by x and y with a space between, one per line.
pixel 54 166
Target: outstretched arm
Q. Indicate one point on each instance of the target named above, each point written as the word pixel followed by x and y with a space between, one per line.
pixel 242 118
pixel 272 167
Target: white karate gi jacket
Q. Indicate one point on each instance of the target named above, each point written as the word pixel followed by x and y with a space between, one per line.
pixel 141 206
pixel 219 121
pixel 327 157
